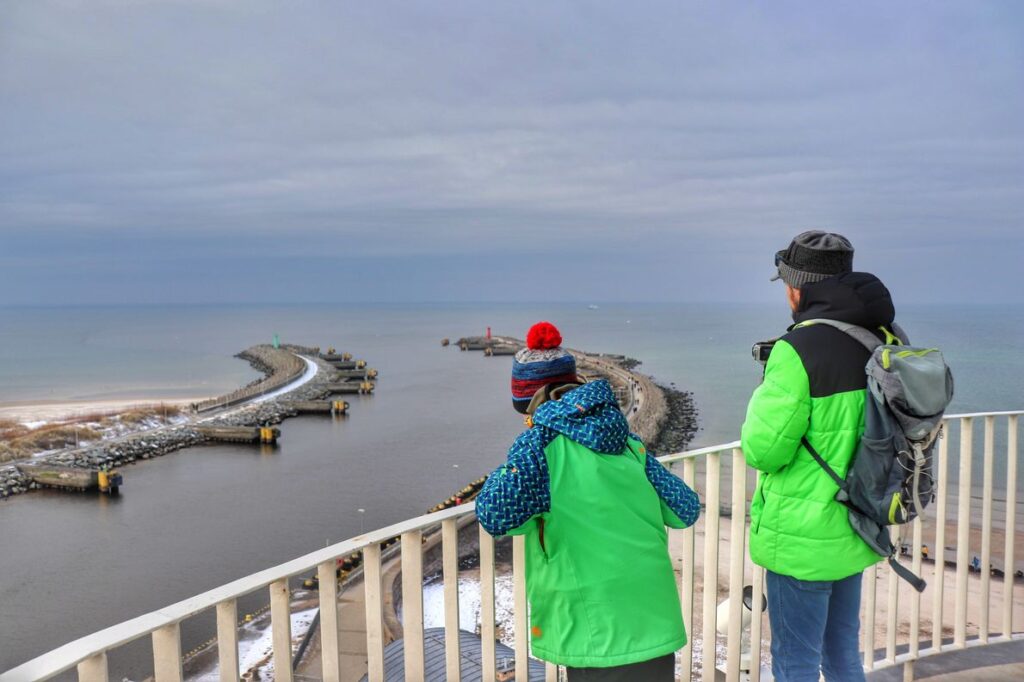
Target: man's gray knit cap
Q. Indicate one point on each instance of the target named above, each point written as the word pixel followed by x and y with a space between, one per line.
pixel 812 257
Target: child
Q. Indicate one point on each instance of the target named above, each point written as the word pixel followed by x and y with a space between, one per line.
pixel 592 504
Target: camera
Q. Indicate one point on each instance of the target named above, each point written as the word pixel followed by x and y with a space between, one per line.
pixel 762 349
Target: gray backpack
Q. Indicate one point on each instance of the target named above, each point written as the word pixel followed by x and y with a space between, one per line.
pixel 891 479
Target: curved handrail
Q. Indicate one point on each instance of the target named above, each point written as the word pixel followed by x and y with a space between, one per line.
pixel 73 653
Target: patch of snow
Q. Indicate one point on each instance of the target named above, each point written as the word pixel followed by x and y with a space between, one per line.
pixel 721 653
pixel 264 664
pixel 116 428
pixel 311 370
pixel 470 605
pixel 34 424
pixel 256 646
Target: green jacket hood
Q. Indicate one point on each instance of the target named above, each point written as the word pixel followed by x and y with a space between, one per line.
pixel 588 415
pixel 857 298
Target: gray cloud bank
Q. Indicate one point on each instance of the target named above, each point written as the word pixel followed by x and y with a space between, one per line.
pixel 206 150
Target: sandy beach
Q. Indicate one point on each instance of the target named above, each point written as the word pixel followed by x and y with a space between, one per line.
pixel 56 410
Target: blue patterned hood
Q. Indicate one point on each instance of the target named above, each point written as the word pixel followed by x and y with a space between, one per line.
pixel 588 415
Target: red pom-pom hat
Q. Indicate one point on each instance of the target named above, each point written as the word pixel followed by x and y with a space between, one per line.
pixel 543 336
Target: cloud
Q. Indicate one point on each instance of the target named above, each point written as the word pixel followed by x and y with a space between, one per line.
pixel 506 131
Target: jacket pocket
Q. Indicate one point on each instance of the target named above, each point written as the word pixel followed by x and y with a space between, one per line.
pixel 540 539
pixel 813 585
pixel 756 523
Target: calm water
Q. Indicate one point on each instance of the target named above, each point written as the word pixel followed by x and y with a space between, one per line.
pixel 188 522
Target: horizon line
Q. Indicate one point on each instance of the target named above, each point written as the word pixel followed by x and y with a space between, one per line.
pixel 140 304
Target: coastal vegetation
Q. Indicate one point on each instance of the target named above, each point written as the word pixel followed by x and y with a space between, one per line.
pixel 19 440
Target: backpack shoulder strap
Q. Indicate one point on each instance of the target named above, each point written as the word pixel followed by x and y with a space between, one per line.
pixel 902 335
pixel 823 464
pixel 866 338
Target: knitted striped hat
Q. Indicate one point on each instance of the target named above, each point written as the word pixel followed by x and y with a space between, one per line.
pixel 542 362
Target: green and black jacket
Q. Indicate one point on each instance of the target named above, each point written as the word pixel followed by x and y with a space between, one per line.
pixel 814 386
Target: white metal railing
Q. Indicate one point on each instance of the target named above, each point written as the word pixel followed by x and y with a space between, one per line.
pixel 902 606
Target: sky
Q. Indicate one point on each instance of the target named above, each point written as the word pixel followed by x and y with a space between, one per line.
pixel 206 151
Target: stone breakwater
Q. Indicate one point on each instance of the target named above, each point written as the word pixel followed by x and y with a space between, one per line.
pixel 279 367
pixel 147 445
pixel 13 482
pixel 680 424
pixel 665 418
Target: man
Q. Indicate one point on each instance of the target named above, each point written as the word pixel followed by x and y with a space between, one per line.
pixel 592 504
pixel 815 388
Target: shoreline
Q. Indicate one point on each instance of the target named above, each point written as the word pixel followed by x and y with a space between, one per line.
pixel 30 411
pixel 665 418
pixel 259 403
pixel 681 423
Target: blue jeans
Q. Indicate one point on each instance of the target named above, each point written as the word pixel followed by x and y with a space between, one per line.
pixel 815 626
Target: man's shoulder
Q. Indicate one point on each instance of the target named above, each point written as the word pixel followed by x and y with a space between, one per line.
pixel 820 340
pixel 834 361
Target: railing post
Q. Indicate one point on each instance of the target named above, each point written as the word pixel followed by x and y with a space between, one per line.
pixel 939 550
pixel 374 612
pixel 450 552
pixel 520 607
pixel 167 654
pixel 737 552
pixel 227 640
pixel 893 606
pixel 330 624
pixel 93 669
pixel 688 569
pixel 757 618
pixel 871 574
pixel 986 527
pixel 915 607
pixel 412 605
pixel 710 596
pixel 915 596
pixel 1011 525
pixel 487 616
pixel 963 532
pixel 281 626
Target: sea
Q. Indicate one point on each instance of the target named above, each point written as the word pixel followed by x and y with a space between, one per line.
pixel 72 564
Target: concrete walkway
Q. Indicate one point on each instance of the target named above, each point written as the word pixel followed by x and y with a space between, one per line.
pixel 1001 662
pixel 311 370
pixel 352 604
pixel 995 673
pixel 352 614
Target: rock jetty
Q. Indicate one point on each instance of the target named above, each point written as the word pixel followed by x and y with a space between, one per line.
pixel 13 482
pixel 664 417
pixel 274 362
pixel 680 424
